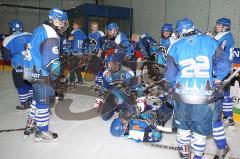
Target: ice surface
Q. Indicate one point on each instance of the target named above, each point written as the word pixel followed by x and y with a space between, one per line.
pixel 80 139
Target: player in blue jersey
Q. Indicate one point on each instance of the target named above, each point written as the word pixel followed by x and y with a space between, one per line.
pixel 145 43
pixel 77 39
pixel 15 45
pixel 167 39
pixel 95 35
pixel 43 65
pixel 226 42
pixel 116 40
pixel 115 75
pixel 166 35
pixel 191 62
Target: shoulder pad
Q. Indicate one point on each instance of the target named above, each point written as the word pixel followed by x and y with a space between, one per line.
pixel 50 32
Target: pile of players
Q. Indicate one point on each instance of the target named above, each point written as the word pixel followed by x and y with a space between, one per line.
pixel 195 66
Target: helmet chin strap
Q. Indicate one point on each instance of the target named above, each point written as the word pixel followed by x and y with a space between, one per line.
pixel 53 26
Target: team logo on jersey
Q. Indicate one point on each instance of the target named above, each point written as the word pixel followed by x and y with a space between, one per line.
pixel 55 50
pixel 26 53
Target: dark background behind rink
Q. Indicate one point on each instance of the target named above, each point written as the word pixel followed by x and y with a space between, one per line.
pixel 148 15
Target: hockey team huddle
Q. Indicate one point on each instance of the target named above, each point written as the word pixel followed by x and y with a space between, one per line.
pixel 140 82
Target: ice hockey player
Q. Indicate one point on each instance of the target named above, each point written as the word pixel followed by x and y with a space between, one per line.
pixel 145 41
pixel 44 64
pixel 190 63
pixel 114 75
pixel 115 41
pixel 141 128
pixel 77 39
pixel 15 45
pixel 96 35
pixel 167 39
pixel 166 35
pixel 225 41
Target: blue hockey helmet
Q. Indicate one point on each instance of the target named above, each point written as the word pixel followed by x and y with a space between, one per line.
pixel 167 28
pixel 112 26
pixel 117 127
pixel 224 21
pixel 184 26
pixel 61 17
pixel 56 13
pixel 114 61
pixel 15 25
pixel 116 57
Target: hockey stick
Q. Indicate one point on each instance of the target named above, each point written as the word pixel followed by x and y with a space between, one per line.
pixel 176 148
pixel 233 75
pixel 10 130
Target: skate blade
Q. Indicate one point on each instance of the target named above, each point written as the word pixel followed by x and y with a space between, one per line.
pixel 25 137
pixel 231 128
pixel 41 140
pixel 24 110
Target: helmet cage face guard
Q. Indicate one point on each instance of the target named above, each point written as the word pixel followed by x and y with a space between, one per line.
pixel 60 25
pixel 113 66
pixel 112 32
pixel 224 27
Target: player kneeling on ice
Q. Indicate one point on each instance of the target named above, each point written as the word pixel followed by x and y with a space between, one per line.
pixel 43 70
pixel 121 89
pixel 190 64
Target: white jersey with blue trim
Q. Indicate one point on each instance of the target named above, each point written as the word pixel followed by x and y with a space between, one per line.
pixel 96 36
pixel 226 42
pixel 44 50
pixel 192 65
pixel 16 44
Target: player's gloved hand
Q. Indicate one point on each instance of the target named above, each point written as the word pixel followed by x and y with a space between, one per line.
pixel 98 103
pixel 218 92
pixel 63 80
pixel 217 83
pixel 169 95
pixel 141 104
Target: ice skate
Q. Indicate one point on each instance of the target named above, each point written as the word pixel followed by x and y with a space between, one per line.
pixel 221 154
pixel 30 128
pixel 20 108
pixel 45 136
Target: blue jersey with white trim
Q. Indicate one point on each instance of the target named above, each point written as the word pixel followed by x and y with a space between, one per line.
pixel 124 75
pixel 145 42
pixel 16 44
pixel 124 44
pixel 44 50
pixel 77 40
pixel 225 41
pixel 96 36
pixel 166 42
pixel 191 62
